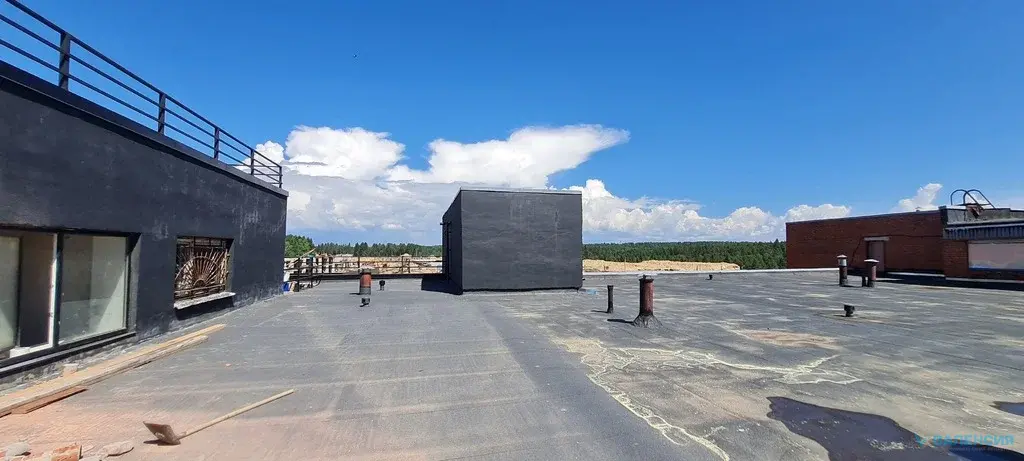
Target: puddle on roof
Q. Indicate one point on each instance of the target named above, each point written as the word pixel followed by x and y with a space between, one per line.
pixel 1010 407
pixel 850 435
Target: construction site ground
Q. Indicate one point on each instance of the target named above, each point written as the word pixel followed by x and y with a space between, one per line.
pixel 743 367
pixel 598 265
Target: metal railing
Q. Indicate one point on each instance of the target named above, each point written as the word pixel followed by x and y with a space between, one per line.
pixel 311 265
pixel 222 145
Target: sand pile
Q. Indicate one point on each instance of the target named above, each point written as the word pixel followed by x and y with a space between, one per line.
pixel 597 265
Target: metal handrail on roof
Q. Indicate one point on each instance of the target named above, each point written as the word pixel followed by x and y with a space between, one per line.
pixel 203 132
pixel 969 197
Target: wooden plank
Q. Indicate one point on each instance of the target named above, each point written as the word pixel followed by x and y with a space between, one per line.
pixel 138 361
pixel 93 374
pixel 40 403
pixel 204 332
pixel 104 370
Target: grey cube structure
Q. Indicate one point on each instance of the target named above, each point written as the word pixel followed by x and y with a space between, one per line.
pixel 513 239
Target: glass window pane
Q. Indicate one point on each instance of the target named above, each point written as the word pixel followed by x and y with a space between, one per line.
pixel 9 262
pixel 93 270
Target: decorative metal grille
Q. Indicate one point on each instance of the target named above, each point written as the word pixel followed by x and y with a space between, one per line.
pixel 202 267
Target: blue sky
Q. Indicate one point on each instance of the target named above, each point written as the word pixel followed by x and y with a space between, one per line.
pixel 703 107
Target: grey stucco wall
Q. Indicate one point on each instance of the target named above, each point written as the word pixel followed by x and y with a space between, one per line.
pixel 521 240
pixel 67 163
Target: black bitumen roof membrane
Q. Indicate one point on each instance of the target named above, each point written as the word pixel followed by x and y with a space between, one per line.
pixel 743 367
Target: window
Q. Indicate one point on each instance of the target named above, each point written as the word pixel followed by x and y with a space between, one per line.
pixel 59 288
pixel 93 280
pixel 27 275
pixel 996 255
pixel 202 267
pixel 9 259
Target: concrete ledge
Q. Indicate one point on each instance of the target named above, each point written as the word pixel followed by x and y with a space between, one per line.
pixel 202 299
pixel 913 274
pixel 969 280
pixel 741 272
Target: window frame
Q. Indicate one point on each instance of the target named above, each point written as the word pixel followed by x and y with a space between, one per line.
pixel 58 293
pixel 55 346
pixel 226 265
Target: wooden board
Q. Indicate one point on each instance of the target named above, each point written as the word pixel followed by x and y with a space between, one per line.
pixel 40 403
pixel 103 370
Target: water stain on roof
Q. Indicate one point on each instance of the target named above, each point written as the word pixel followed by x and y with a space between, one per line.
pixel 853 436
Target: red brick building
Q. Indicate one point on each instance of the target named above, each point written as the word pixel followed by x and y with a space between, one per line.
pixel 980 243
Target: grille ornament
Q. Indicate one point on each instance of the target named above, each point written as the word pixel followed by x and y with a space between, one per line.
pixel 202 267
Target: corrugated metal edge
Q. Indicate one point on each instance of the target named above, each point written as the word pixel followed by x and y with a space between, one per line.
pixel 997 232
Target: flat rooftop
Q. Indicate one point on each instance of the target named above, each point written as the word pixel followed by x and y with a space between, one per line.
pixel 745 367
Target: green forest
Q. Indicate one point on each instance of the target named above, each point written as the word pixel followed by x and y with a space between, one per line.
pixel 748 255
pixel 297 245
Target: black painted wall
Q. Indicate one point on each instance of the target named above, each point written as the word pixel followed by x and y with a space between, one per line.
pixel 67 163
pixel 518 240
pixel 451 245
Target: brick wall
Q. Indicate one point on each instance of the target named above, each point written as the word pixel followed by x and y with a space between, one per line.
pixel 954 258
pixel 915 241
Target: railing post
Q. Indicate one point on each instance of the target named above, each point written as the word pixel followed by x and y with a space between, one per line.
pixel 65 60
pixel 161 114
pixel 252 162
pixel 280 176
pixel 216 142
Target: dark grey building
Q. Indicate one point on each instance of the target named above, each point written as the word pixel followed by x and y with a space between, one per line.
pixel 112 230
pixel 513 239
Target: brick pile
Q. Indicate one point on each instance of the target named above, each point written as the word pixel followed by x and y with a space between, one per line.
pixel 21 451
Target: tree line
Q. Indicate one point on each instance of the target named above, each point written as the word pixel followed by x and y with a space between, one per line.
pixel 297 245
pixel 379 249
pixel 748 255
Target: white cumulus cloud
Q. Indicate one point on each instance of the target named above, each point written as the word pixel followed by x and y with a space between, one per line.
pixel 526 159
pixel 675 220
pixel 923 200
pixel 353 179
pixel 272 151
pixel 810 213
pixel 352 153
pixel 329 203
